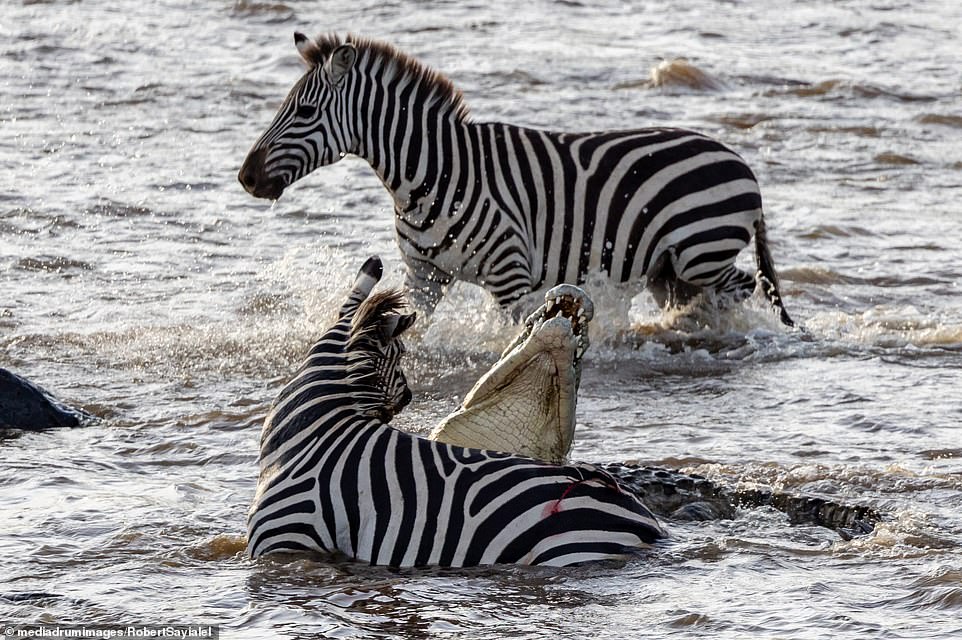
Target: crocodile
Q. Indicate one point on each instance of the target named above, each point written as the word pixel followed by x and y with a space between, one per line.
pixel 526 404
pixel 686 497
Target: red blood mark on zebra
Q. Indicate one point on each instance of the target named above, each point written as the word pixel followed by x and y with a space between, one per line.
pixel 555 506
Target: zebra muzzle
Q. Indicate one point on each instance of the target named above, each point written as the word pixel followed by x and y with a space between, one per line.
pixel 255 179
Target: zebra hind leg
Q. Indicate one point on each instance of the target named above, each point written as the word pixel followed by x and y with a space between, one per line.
pixel 730 286
pixel 736 286
pixel 667 288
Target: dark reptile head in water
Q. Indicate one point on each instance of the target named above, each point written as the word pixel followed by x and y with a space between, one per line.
pixel 25 405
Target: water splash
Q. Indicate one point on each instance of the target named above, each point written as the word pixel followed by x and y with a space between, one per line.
pixel 889 327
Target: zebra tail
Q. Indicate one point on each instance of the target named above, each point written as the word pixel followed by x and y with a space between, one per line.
pixel 766 271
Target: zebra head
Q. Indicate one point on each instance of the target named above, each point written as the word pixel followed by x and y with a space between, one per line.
pixel 373 345
pixel 352 372
pixel 312 128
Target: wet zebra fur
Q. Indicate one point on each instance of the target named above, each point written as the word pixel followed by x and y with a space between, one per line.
pixel 335 477
pixel 513 209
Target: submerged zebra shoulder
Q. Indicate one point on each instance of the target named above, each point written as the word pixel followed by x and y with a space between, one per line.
pixel 513 209
pixel 335 477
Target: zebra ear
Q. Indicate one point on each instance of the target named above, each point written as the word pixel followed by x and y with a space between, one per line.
pixel 340 62
pixel 404 323
pixel 307 48
pixel 394 325
pixel 367 277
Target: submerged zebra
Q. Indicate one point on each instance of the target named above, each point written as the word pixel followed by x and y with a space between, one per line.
pixel 335 477
pixel 515 209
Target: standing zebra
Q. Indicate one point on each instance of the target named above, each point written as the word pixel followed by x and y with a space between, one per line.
pixel 513 209
pixel 335 477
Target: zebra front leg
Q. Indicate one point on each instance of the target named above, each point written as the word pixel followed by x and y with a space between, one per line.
pixel 425 285
pixel 520 308
pixel 509 281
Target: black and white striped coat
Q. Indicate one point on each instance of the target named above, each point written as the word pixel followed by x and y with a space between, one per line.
pixel 334 477
pixel 515 209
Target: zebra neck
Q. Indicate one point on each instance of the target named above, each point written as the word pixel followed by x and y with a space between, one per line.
pixel 429 168
pixel 310 425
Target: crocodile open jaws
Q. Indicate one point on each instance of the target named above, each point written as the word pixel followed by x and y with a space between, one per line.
pixel 525 403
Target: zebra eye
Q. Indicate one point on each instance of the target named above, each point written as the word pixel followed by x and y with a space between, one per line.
pixel 305 111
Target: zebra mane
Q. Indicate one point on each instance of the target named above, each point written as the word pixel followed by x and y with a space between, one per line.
pixel 372 312
pixel 400 62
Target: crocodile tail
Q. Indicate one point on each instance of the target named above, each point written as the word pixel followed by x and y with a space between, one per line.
pixel 766 272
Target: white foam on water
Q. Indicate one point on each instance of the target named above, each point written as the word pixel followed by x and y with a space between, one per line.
pixel 286 305
pixel 908 534
pixel 265 328
pixel 467 320
pixel 888 327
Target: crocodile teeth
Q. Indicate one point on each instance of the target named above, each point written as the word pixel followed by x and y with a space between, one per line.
pixel 547 305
